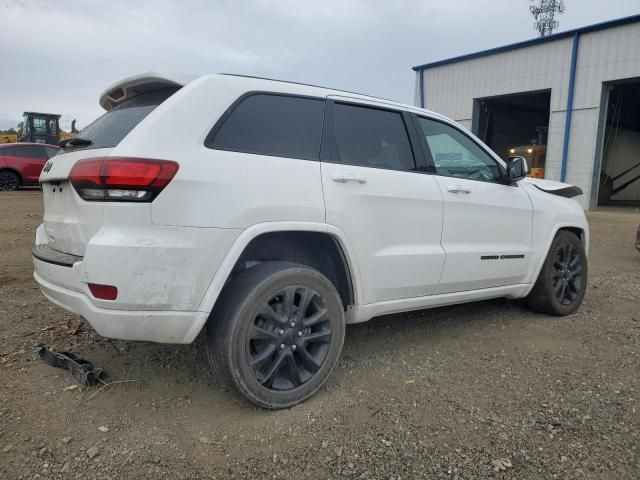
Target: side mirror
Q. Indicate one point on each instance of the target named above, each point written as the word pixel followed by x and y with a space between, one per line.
pixel 517 169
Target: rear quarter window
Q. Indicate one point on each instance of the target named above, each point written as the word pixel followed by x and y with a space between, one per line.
pixel 39 152
pixel 51 151
pixel 109 129
pixel 271 124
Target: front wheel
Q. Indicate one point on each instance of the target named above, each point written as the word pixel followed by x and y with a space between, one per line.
pixel 276 333
pixel 562 282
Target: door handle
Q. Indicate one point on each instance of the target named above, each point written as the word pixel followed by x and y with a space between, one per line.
pixel 458 189
pixel 347 177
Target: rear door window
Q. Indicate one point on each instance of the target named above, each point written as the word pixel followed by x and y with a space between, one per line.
pixel 276 125
pixel 371 137
pixel 109 129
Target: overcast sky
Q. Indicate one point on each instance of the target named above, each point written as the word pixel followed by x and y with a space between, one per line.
pixel 58 56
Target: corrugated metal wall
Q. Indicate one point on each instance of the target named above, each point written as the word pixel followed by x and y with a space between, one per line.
pixel 604 56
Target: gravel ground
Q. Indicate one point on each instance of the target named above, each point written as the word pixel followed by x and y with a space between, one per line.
pixel 485 390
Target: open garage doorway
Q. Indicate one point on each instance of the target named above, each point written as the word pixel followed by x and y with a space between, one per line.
pixel 516 124
pixel 620 171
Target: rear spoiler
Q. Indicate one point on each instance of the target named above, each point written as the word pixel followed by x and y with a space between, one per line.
pixel 132 86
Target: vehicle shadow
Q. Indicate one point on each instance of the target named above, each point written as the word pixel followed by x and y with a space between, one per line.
pixel 180 371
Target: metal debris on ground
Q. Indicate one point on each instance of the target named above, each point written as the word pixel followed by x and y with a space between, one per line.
pixel 82 370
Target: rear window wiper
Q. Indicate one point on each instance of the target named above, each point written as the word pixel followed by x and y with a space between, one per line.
pixel 74 142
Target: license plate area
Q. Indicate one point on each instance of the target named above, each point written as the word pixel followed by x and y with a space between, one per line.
pixel 69 222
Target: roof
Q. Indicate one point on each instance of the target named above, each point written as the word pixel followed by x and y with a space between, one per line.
pixel 306 85
pixel 154 80
pixel 284 86
pixel 535 41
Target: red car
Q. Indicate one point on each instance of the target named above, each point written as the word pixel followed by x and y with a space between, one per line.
pixel 21 163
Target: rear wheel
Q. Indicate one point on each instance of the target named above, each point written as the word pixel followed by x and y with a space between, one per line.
pixel 9 180
pixel 276 333
pixel 562 282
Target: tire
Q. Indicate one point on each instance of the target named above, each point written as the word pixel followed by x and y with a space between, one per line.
pixel 255 342
pixel 562 282
pixel 9 181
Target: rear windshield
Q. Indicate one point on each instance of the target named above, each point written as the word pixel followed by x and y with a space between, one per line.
pixel 109 129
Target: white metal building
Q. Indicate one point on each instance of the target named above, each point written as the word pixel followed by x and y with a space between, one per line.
pixel 570 102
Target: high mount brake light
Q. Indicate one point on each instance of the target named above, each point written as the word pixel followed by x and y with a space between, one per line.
pixel 121 179
pixel 117 94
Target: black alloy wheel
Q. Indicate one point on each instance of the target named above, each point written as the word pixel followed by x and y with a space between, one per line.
pixel 276 333
pixel 562 281
pixel 288 339
pixel 568 278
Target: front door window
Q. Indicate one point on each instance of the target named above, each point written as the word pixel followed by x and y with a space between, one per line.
pixel 456 155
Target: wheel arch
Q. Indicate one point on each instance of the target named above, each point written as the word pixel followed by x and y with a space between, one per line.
pixel 577 231
pixel 318 250
pixel 580 230
pixel 253 238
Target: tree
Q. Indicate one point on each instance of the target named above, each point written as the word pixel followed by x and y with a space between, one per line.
pixel 544 12
pixel 8 131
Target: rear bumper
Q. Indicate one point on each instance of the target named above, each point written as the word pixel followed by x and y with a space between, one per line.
pixel 152 326
pixel 161 274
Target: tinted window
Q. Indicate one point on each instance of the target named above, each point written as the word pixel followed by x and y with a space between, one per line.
pixel 27 151
pixel 109 129
pixel 40 152
pixel 369 137
pixel 277 125
pixel 51 151
pixel 456 155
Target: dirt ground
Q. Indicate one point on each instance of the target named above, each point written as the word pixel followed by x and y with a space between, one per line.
pixel 485 390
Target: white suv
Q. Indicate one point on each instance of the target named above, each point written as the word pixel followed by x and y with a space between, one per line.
pixel 275 213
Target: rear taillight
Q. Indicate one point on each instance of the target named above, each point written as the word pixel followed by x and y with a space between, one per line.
pixel 121 179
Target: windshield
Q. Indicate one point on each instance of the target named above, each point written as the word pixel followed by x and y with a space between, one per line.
pixel 109 129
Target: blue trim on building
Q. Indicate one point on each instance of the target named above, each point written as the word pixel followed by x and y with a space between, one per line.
pixel 535 41
pixel 569 112
pixel 421 88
